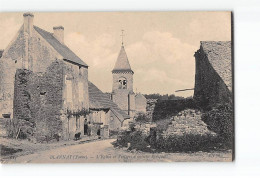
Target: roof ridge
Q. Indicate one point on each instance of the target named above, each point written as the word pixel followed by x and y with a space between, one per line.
pixel 43 29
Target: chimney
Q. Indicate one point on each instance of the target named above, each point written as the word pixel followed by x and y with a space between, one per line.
pixel 28 22
pixel 58 33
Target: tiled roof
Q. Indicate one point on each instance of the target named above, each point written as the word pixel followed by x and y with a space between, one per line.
pixel 62 49
pixel 99 100
pixel 122 63
pixel 219 56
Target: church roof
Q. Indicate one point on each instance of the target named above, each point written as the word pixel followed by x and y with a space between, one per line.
pixel 219 56
pixel 62 49
pixel 122 63
pixel 99 100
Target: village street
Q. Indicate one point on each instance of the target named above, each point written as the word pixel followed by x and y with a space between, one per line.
pixel 103 151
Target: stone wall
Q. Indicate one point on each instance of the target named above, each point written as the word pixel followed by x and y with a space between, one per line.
pixel 38 99
pixel 209 87
pixel 187 122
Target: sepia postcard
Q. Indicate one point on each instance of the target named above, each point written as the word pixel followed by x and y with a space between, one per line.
pixel 103 87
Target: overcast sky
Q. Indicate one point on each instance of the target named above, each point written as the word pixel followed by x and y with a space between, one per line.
pixel 160 45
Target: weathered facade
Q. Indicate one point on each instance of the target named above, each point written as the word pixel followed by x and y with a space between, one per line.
pixel 213 80
pixel 43 81
pixel 122 87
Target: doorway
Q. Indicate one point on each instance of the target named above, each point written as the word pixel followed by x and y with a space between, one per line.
pixel 86 127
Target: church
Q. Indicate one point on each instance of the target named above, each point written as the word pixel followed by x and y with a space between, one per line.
pixel 122 87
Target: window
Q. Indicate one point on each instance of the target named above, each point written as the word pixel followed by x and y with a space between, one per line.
pixel 77 122
pixel 122 83
pixel 81 92
pixel 80 71
pixel 69 91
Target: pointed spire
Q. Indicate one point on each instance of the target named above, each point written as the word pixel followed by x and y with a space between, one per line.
pixel 122 63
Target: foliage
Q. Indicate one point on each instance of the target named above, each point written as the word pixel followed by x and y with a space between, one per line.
pixel 136 140
pixel 220 120
pixel 141 117
pixel 172 143
pixel 83 112
pixel 162 125
pixel 186 143
pixel 162 97
pixel 19 128
pixel 113 133
pixel 168 108
pixel 123 138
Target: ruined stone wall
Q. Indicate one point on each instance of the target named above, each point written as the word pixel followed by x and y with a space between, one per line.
pixel 209 87
pixel 41 99
pixel 38 99
pixel 187 122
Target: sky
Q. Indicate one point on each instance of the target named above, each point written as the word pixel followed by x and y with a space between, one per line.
pixel 160 45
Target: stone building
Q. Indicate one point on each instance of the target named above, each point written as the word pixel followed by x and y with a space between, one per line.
pixel 140 103
pixel 44 82
pixel 213 79
pixel 104 113
pixel 122 87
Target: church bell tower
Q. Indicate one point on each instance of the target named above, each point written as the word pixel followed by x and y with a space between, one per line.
pixel 122 88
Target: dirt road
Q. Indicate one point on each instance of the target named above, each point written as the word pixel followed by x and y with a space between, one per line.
pixel 103 151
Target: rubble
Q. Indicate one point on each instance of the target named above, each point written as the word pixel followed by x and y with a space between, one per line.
pixel 187 122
